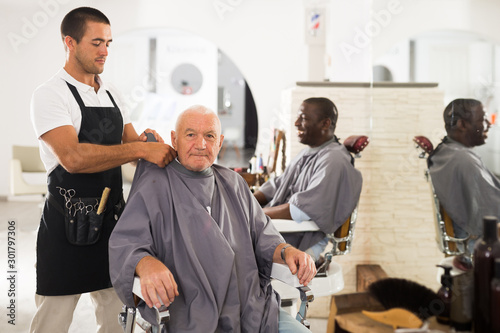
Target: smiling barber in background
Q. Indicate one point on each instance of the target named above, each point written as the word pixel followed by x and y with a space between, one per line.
pixel 85 135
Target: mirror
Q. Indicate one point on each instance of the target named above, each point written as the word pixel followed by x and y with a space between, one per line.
pixel 161 72
pixel 464 64
pixel 186 79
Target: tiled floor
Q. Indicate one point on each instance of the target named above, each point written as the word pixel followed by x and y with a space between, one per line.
pixel 26 215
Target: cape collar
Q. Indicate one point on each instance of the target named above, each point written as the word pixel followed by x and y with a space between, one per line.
pixel 313 150
pixel 196 174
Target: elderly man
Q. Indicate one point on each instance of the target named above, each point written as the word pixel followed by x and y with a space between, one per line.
pixel 465 187
pixel 193 233
pixel 320 184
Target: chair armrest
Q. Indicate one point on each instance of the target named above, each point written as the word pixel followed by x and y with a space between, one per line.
pixel 162 314
pixel 284 226
pixel 136 287
pixel 282 272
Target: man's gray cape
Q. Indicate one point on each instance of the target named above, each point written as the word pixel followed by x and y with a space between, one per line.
pixel 323 183
pixel 467 190
pixel 220 260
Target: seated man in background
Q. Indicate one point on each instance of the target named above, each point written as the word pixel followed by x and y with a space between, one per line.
pixel 464 186
pixel 193 232
pixel 320 184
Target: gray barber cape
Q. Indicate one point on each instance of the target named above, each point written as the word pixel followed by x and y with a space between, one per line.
pixel 211 233
pixel 323 183
pixel 464 186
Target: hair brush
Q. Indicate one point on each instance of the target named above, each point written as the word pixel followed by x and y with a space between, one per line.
pixel 406 294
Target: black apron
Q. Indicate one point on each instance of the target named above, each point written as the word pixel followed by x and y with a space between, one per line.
pixel 72 243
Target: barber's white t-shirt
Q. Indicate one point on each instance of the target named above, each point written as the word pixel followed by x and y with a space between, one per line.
pixel 53 105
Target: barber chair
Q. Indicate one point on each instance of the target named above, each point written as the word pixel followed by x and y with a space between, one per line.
pixel 26 163
pixel 445 235
pixel 28 174
pixel 329 279
pixel 129 317
pixel 343 236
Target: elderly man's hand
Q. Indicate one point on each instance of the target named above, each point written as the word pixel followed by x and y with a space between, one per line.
pixel 306 268
pixel 156 280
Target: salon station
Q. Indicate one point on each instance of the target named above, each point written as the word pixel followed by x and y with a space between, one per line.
pixel 390 67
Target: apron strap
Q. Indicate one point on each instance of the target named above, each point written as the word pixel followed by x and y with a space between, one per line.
pixel 112 99
pixel 79 98
pixel 76 95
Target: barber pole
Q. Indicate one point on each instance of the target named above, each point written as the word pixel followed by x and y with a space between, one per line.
pixel 314 23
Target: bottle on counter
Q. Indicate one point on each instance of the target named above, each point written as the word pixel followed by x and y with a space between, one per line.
pixel 486 250
pixel 445 295
pixel 253 164
pixel 260 164
pixel 495 298
pixel 461 302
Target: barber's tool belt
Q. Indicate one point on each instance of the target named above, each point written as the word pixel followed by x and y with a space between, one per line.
pixel 82 223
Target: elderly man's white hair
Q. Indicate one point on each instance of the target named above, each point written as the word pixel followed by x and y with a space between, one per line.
pixel 199 109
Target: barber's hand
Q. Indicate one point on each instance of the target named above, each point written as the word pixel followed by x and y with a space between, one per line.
pixel 156 280
pixel 159 153
pixel 306 268
pixel 144 138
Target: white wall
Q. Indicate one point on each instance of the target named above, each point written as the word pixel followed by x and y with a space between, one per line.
pixel 353 43
pixel 397 61
pixel 263 38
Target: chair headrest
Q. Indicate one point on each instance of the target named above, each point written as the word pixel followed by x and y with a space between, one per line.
pixel 356 143
pixel 424 143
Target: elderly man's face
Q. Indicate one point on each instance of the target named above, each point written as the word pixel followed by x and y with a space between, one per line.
pixel 197 140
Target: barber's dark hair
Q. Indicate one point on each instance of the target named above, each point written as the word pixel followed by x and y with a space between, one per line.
pixel 74 22
pixel 327 109
pixel 460 108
